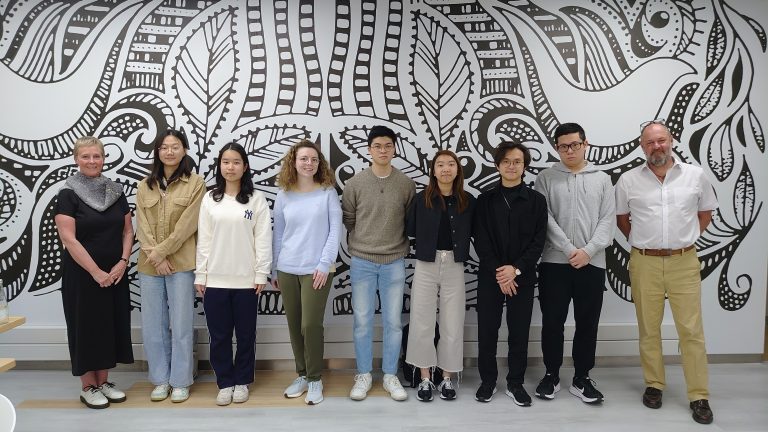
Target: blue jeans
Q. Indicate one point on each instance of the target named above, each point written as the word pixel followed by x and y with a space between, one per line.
pixel 389 279
pixel 167 312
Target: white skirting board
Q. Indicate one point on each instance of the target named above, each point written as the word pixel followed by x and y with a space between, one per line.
pixel 272 342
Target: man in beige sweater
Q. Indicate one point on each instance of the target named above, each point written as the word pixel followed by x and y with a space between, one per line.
pixel 374 205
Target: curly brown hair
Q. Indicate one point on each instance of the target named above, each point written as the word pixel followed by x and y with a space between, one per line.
pixel 288 177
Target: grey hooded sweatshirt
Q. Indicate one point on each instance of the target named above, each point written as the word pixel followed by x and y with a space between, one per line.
pixel 582 212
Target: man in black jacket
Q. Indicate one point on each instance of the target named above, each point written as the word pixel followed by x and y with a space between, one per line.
pixel 510 228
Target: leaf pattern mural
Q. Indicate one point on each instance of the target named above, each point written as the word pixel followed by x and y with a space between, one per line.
pixel 268 146
pixel 204 75
pixel 445 79
pixel 462 75
pixel 744 196
pixel 720 155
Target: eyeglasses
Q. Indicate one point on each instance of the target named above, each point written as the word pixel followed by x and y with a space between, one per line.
pixel 563 148
pixel 515 163
pixel 385 147
pixel 313 161
pixel 658 121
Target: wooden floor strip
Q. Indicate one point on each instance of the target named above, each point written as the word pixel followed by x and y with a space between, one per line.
pixel 266 391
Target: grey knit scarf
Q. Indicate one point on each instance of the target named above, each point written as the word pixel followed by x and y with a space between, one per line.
pixel 98 193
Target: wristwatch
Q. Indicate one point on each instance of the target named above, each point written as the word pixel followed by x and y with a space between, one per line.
pixel 517 271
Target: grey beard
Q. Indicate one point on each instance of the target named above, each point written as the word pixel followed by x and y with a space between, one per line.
pixel 658 161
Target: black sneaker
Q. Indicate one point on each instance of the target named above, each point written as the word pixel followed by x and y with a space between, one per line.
pixel 518 395
pixel 485 392
pixel 447 392
pixel 584 389
pixel 424 393
pixel 548 386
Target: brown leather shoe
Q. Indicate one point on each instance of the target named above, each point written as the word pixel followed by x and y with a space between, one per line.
pixel 652 398
pixel 701 411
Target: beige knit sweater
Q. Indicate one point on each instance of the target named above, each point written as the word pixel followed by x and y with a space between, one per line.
pixel 374 211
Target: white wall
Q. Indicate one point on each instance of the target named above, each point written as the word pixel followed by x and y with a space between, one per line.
pixel 442 74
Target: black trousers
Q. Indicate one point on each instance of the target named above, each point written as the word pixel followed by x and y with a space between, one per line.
pixel 558 284
pixel 490 305
pixel 228 310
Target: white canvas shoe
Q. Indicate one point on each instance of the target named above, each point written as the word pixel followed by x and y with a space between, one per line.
pixel 394 388
pixel 362 386
pixel 160 393
pixel 241 394
pixel 225 396
pixel 179 394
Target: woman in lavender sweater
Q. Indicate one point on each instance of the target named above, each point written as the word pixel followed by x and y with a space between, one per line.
pixel 307 228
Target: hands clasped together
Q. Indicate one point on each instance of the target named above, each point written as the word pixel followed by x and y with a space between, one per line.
pixel 116 273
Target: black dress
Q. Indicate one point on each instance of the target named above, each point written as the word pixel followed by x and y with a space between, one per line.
pixel 98 319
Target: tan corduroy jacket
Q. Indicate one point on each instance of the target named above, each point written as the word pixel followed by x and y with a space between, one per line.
pixel 167 221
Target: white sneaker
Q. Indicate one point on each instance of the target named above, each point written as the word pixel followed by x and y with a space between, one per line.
pixel 241 394
pixel 179 394
pixel 362 386
pixel 314 393
pixel 225 396
pixel 394 388
pixel 93 398
pixel 297 388
pixel 159 393
pixel 112 393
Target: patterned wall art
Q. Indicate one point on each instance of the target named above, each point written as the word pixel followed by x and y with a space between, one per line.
pixel 444 74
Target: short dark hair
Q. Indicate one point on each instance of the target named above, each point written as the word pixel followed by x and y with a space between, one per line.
pixel 569 128
pixel 505 146
pixel 381 131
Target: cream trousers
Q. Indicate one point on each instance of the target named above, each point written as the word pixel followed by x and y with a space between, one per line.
pixel 437 283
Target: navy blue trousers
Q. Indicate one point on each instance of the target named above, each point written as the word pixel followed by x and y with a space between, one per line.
pixel 228 310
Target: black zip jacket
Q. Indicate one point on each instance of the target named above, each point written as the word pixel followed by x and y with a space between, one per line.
pixel 511 235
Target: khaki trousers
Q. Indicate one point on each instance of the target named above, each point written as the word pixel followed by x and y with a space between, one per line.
pixel 679 278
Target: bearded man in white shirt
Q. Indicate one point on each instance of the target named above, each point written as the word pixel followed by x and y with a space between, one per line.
pixel 662 207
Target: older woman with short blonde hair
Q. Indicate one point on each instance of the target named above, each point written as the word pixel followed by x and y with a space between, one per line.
pixel 94 223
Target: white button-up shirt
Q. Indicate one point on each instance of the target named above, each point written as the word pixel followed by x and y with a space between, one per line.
pixel 664 214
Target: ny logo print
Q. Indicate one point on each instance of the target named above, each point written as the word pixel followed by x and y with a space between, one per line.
pixel 248 214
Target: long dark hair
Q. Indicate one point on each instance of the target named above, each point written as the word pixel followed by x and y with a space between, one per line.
pixel 246 181
pixel 457 188
pixel 157 175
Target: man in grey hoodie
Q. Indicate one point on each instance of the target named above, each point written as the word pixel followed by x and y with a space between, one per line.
pixel 581 205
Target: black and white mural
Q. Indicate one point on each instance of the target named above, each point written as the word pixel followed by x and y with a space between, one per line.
pixel 444 74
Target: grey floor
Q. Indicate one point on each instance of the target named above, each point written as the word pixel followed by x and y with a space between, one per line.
pixel 739 401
